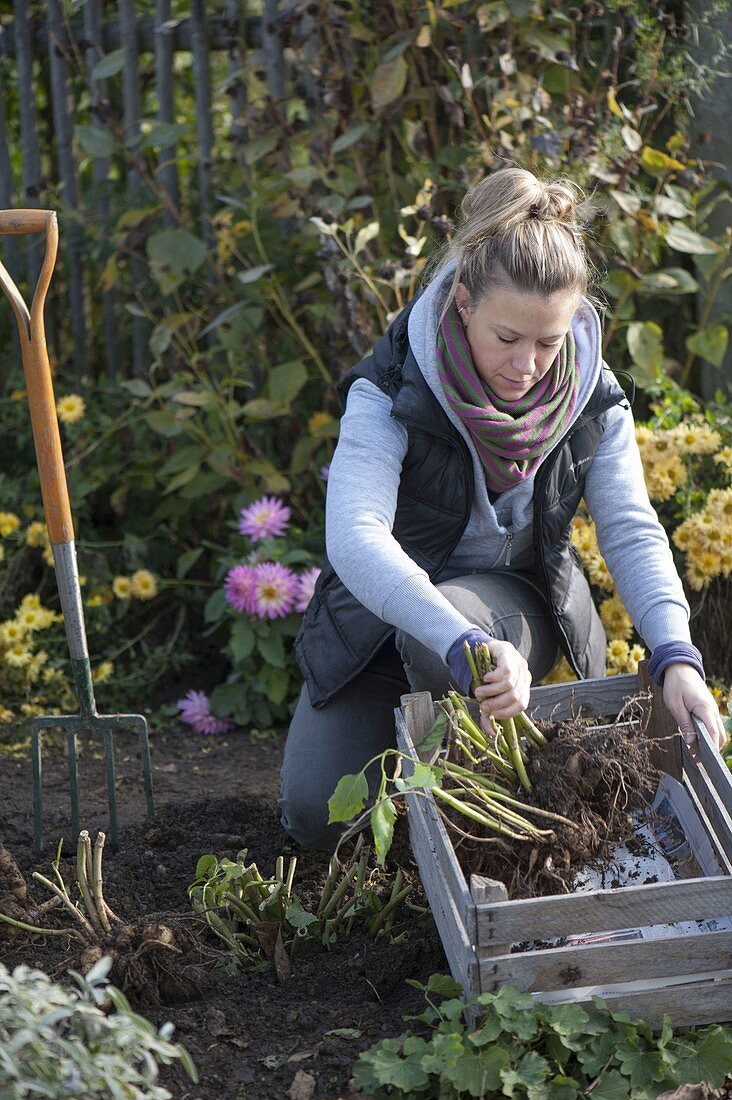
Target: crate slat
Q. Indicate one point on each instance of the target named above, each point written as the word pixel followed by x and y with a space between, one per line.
pixel 715 767
pixel 586 698
pixel 604 910
pixel 607 964
pixel 701 1003
pixel 719 821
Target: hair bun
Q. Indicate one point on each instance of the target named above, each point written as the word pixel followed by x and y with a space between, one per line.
pixel 557 199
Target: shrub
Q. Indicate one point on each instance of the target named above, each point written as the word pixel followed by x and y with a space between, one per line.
pixel 57 1042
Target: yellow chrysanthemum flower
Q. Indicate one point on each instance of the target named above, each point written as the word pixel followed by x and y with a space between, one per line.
pixel 615 619
pixel 143 585
pixel 6 715
pixel 11 632
pixel 122 588
pixel 103 672
pixel 319 420
pixel 31 710
pixel 9 522
pixel 48 556
pixel 695 438
pixel 36 664
pixel 17 656
pixel 31 599
pixel 36 534
pixel 599 573
pixel 617 653
pixel 2 553
pixel 724 458
pixel 719 505
pixel 70 408
pixel 96 600
pixel 30 618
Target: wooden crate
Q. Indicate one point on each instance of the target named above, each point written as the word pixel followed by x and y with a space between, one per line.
pixel 477 923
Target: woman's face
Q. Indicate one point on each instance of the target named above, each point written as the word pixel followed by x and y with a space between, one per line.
pixel 515 337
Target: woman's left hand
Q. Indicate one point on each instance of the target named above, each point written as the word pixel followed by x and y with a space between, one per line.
pixel 685 693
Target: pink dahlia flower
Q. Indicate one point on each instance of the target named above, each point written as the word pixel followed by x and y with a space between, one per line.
pixel 275 590
pixel 239 587
pixel 195 710
pixel 306 587
pixel 265 518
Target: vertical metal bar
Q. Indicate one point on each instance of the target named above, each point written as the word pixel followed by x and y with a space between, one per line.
pixel 30 148
pixel 204 131
pixel 72 759
pixel 100 174
pixel 63 126
pixel 147 768
pixel 237 88
pixel 167 164
pixel 131 114
pixel 36 738
pixel 111 783
pixel 272 45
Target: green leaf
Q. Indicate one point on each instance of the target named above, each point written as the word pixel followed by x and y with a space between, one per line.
pixel 344 1032
pixel 643 1067
pixel 286 381
pixel 656 162
pixel 684 239
pixel 711 1060
pixel 442 985
pixel 216 607
pixel 668 280
pixel 110 65
pixel 383 817
pixel 162 135
pixel 645 344
pixel 183 478
pixel 478 1074
pixel 349 798
pixel 174 254
pixel 262 409
pixel 422 776
pixel 137 387
pixel 710 343
pixel 242 639
pixel 95 141
pixel 186 561
pixel 296 916
pixel 388 82
pixel 435 735
pixel 278 685
pixel 345 141
pixel 531 1072
pixel 227 699
pixel 272 648
pixel 611 1086
pixel 164 423
pixel 390 1069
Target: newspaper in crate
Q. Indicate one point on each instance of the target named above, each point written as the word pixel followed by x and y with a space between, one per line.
pixel 669 843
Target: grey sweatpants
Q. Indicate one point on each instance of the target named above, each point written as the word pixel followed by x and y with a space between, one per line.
pixel 358 723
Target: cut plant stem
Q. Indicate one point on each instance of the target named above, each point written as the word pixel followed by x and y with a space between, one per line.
pixel 517 758
pixel 477 815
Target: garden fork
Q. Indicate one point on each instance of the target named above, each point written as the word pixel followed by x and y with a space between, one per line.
pixel 54 490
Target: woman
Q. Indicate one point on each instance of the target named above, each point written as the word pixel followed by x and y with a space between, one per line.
pixel 469 437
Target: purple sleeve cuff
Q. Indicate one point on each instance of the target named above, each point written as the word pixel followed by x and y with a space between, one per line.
pixel 673 653
pixel 456 660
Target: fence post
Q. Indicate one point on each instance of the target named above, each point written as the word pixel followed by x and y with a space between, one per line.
pixel 63 127
pixel 204 134
pixel 100 172
pixel 237 89
pixel 167 165
pixel 30 150
pixel 131 116
pixel 272 45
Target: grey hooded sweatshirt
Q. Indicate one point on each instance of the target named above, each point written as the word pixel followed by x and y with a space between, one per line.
pixel 362 492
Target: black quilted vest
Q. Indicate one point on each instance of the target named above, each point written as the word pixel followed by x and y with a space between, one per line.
pixel 339 637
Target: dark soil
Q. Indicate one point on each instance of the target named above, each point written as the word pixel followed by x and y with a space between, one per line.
pixel 249 1034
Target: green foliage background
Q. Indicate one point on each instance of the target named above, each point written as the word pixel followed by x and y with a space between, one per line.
pixel 326 214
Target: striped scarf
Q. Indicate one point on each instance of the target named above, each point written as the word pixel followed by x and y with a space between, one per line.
pixel 511 437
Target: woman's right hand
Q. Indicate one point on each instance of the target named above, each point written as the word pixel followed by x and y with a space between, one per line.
pixel 504 692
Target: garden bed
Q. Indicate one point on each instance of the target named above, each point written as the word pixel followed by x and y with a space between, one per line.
pixel 248 1033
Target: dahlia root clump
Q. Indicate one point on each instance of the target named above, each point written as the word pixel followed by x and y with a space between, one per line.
pixel 158 958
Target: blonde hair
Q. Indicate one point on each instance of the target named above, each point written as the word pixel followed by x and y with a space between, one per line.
pixel 520 231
